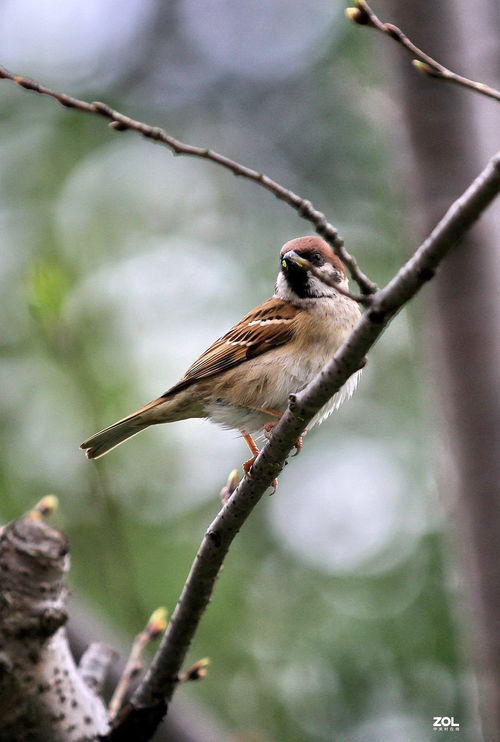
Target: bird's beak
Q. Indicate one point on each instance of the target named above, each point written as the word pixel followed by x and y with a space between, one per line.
pixel 291 258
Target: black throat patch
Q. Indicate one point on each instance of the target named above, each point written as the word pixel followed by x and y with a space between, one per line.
pixel 298 280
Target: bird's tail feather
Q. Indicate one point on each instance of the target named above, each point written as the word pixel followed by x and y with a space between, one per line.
pixel 105 440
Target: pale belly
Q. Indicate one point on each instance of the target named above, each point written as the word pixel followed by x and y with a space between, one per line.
pixel 260 393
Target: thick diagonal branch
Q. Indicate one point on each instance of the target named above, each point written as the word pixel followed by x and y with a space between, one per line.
pixel 149 703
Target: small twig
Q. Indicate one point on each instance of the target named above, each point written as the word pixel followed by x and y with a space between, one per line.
pixel 365 299
pixel 94 665
pixel 120 122
pixel 363 15
pixel 155 626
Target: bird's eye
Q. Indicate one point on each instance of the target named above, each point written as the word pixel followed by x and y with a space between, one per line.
pixel 316 258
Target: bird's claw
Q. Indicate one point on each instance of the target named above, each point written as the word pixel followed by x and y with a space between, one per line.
pixel 247 469
pixel 247 465
pixel 298 443
pixel 267 430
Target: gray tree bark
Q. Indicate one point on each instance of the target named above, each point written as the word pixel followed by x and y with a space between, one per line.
pixel 43 696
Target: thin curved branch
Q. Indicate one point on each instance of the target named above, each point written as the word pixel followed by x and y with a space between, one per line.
pixel 363 15
pixel 120 122
pixel 140 716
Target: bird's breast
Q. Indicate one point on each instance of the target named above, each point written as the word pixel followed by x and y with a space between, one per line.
pixel 266 381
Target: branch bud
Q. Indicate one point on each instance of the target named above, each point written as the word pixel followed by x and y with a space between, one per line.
pixel 45 507
pixel 157 623
pixel 196 671
pixel 358 15
pixel 230 486
pixel 424 68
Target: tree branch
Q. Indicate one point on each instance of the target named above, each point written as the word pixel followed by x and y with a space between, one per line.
pixel 120 122
pixel 147 706
pixel 155 626
pixel 363 15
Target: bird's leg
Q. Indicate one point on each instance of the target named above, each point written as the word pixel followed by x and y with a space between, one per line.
pixel 255 452
pixel 270 411
pixel 251 443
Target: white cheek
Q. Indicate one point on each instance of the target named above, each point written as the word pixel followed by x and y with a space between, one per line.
pixel 282 290
pixel 320 288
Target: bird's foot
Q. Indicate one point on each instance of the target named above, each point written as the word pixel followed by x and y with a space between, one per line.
pixel 247 466
pixel 298 443
pixel 267 430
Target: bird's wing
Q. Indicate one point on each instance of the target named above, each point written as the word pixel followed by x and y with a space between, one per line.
pixel 265 327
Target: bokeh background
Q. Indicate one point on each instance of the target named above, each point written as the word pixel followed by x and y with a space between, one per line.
pixel 338 613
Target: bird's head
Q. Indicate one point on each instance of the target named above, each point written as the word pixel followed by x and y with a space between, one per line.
pixel 295 279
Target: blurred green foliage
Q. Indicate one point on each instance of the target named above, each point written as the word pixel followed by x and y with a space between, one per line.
pixel 334 618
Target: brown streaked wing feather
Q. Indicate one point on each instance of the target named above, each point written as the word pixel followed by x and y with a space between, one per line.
pixel 243 341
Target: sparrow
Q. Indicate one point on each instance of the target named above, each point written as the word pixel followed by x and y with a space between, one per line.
pixel 244 379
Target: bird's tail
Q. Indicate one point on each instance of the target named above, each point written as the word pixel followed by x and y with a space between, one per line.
pixel 105 440
pixel 100 443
